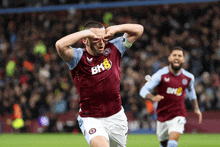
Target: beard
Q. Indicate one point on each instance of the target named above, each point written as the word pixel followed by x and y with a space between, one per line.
pixel 176 68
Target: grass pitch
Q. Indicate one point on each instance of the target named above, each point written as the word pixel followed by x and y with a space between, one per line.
pixel 78 140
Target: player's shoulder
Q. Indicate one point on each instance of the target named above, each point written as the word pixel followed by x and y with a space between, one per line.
pixel 78 52
pixel 163 71
pixel 187 74
pixel 77 55
pixel 78 49
pixel 115 40
pixel 157 75
pixel 116 44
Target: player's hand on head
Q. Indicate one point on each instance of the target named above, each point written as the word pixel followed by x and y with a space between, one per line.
pixel 107 37
pixel 93 36
pixel 110 32
pixel 157 98
pixel 199 113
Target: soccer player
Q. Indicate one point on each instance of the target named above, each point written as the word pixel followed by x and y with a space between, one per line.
pixel 95 70
pixel 172 82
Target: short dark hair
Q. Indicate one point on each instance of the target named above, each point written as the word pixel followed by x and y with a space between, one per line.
pixel 177 48
pixel 93 24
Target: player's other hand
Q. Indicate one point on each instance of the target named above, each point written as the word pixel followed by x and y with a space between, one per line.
pixel 110 32
pixel 198 112
pixel 157 98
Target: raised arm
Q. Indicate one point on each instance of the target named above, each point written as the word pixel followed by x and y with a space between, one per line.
pixel 133 31
pixel 63 44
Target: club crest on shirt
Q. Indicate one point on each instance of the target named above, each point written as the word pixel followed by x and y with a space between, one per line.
pixel 89 59
pixel 166 79
pixel 107 51
pixel 92 131
pixel 184 81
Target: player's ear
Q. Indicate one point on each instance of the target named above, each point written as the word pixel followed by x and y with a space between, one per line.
pixel 169 58
pixel 85 40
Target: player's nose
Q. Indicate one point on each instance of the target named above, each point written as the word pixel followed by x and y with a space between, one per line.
pixel 101 41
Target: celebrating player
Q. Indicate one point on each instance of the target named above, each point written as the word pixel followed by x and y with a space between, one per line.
pixel 172 83
pixel 96 74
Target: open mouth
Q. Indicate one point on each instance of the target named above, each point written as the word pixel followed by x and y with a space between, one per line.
pixel 176 62
pixel 100 48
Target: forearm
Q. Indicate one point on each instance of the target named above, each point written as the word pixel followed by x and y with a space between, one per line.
pixel 71 39
pixel 195 104
pixel 63 45
pixel 196 109
pixel 130 29
pixel 150 96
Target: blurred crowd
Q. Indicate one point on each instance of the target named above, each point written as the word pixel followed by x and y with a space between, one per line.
pixel 33 75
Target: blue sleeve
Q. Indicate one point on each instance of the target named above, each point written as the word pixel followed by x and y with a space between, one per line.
pixel 77 54
pixel 190 90
pixel 156 78
pixel 121 44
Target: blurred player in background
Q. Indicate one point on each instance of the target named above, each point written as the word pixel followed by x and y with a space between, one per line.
pixel 172 83
pixel 96 74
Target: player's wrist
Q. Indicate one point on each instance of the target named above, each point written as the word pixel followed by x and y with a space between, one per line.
pixel 196 109
pixel 87 33
pixel 154 99
pixel 150 96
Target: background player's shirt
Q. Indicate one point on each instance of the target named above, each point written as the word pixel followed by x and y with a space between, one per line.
pixel 173 88
pixel 97 79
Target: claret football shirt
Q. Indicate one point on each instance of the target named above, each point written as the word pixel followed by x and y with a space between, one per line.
pixel 97 79
pixel 173 88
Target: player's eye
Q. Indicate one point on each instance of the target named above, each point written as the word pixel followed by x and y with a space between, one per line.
pixel 95 40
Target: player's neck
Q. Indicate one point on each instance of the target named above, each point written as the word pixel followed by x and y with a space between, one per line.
pixel 174 71
pixel 89 50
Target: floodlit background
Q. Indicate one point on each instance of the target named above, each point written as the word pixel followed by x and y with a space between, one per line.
pixel 34 76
